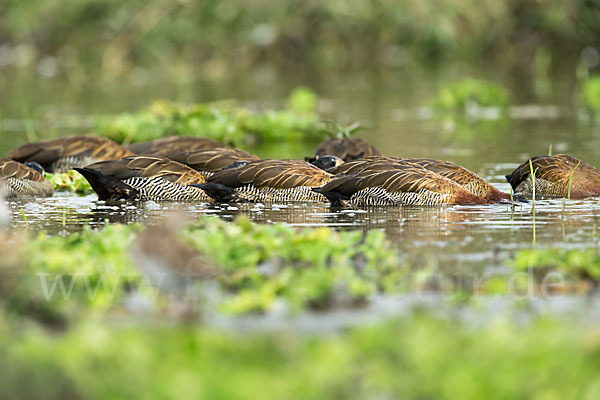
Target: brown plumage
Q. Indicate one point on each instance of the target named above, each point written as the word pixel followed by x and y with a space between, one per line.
pixel 397 184
pixel 211 160
pixel 65 153
pixel 144 178
pixel 268 181
pixel 552 174
pixel 464 177
pixel 348 149
pixel 17 179
pixel 174 144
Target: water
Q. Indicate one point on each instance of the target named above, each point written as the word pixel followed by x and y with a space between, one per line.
pixel 459 240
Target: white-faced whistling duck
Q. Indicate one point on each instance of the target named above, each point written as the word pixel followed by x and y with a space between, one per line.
pixel 268 181
pixel 17 179
pixel 65 153
pixel 144 178
pixel 376 181
pixel 464 177
pixel 553 174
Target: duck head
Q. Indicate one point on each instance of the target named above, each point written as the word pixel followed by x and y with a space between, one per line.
pixel 36 166
pixel 326 162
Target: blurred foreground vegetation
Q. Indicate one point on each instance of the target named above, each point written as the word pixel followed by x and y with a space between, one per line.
pixel 419 357
pixel 116 37
pixel 101 330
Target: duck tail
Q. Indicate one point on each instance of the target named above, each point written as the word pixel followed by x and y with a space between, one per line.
pixel 108 187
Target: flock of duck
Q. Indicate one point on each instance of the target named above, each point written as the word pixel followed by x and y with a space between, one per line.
pixel 346 171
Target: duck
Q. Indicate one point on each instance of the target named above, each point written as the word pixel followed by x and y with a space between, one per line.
pixel 65 153
pixel 174 144
pixel 397 185
pixel 552 177
pixel 460 175
pixel 268 181
pixel 144 178
pixel 209 161
pixel 346 148
pixel 23 179
pixel 388 181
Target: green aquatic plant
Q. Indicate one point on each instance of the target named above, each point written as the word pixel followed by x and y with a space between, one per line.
pixel 532 174
pixel 68 269
pixel 458 96
pixel 340 131
pixel 575 264
pixel 263 265
pixel 314 268
pixel 24 219
pixel 591 94
pixel 227 122
pixel 71 181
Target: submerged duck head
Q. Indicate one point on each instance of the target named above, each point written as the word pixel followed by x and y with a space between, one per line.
pixel 326 162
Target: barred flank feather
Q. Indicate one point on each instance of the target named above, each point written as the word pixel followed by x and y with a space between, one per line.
pixel 18 180
pixel 144 178
pixel 159 189
pixel 268 181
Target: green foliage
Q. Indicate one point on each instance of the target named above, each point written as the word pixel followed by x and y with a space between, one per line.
pixel 265 265
pixel 458 96
pixel 71 181
pixel 93 267
pixel 591 93
pixel 303 100
pixel 572 263
pixel 548 359
pixel 340 131
pixel 309 268
pixel 223 121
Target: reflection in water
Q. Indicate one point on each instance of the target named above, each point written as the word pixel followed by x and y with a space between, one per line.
pixel 472 228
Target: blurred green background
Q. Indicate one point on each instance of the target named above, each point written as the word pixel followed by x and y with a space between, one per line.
pixel 217 37
pixel 97 56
